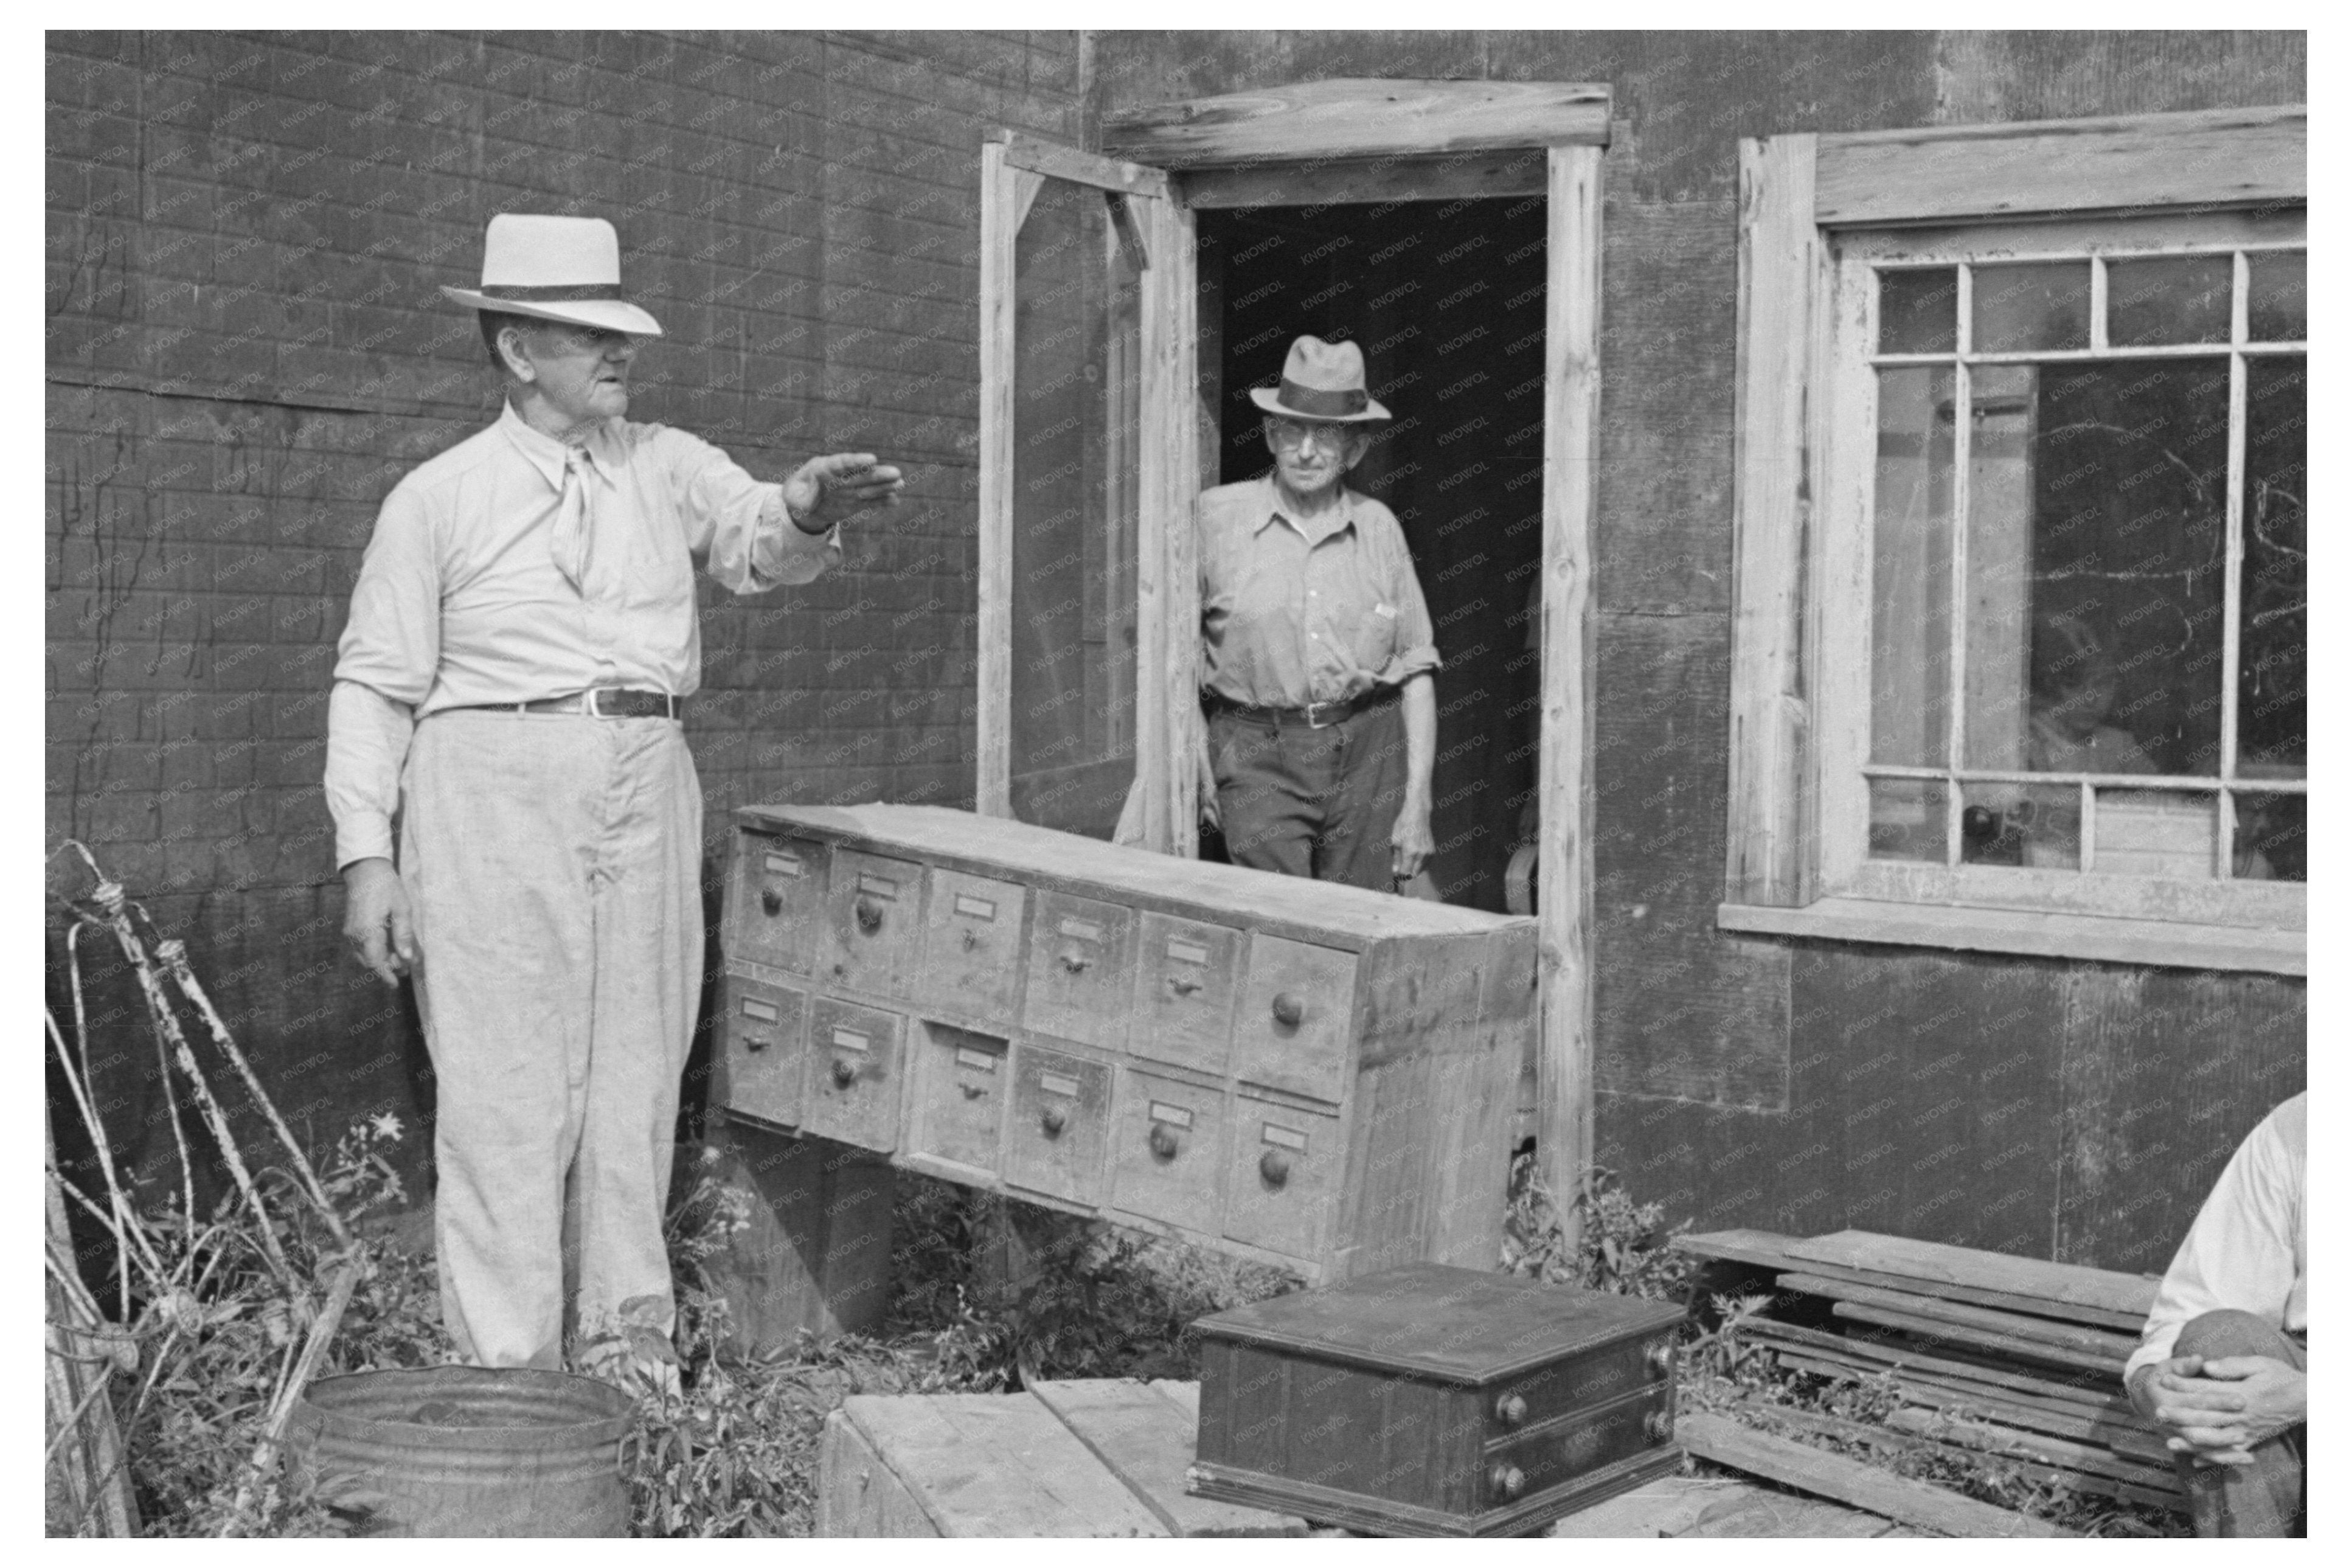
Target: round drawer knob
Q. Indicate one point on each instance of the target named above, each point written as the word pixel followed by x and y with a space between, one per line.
pixel 1288 1010
pixel 1510 1410
pixel 755 1043
pixel 1053 1121
pixel 1506 1481
pixel 1073 960
pixel 844 1073
pixel 869 914
pixel 1163 1142
pixel 1660 1357
pixel 1273 1165
pixel 1182 984
pixel 773 900
pixel 1658 1426
pixel 971 939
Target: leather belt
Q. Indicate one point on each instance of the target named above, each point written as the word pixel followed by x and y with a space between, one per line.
pixel 599 702
pixel 1314 716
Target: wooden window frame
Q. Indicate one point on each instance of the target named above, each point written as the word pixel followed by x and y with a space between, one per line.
pixel 1801 495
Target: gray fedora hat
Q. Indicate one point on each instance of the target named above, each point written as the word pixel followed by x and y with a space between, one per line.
pixel 1321 381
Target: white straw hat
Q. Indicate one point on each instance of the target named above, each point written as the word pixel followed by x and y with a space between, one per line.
pixel 558 268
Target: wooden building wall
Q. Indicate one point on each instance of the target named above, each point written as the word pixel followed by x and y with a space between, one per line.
pixel 245 350
pixel 2051 1108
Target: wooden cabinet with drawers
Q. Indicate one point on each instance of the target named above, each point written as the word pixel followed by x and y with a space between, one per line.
pixel 1287 1070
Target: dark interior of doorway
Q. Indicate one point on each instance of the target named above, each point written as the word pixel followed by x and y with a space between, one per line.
pixel 1446 299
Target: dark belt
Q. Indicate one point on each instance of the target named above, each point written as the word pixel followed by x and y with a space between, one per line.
pixel 600 702
pixel 1314 716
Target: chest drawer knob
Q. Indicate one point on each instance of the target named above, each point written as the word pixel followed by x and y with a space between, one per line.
pixel 1163 1141
pixel 845 1073
pixel 971 1091
pixel 1182 984
pixel 755 1043
pixel 1073 960
pixel 1660 1357
pixel 869 914
pixel 1288 1010
pixel 1510 1410
pixel 1051 1121
pixel 1273 1165
pixel 773 900
pixel 971 939
pixel 1658 1426
pixel 1505 1481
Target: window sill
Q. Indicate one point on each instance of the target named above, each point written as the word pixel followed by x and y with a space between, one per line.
pixel 2108 938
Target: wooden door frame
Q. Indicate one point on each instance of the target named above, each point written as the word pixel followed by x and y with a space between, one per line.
pixel 1354 141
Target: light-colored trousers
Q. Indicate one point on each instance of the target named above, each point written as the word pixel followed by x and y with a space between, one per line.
pixel 553 863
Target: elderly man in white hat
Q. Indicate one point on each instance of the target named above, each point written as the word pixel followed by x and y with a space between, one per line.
pixel 1316 649
pixel 521 644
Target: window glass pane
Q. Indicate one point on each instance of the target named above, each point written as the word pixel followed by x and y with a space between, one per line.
pixel 2271 620
pixel 1910 672
pixel 1918 310
pixel 2031 305
pixel 2275 296
pixel 2022 825
pixel 2168 299
pixel 2269 846
pixel 1075 379
pixel 2096 526
pixel 2154 833
pixel 1907 819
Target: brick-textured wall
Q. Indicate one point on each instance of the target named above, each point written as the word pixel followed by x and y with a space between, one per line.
pixel 246 349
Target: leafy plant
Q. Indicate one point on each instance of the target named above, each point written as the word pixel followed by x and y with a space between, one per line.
pixel 1620 1245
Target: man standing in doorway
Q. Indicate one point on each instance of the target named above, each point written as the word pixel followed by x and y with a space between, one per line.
pixel 1316 646
pixel 521 644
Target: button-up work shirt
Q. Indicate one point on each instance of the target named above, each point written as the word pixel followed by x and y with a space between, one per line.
pixel 2246 1249
pixel 1320 610
pixel 460 601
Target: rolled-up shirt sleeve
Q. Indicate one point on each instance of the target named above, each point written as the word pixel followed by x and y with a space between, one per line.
pixel 391 647
pixel 739 527
pixel 1416 637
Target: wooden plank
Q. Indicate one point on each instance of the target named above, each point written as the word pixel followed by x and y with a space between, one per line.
pixel 1503 172
pixel 1665 1506
pixel 2042 1447
pixel 2132 1438
pixel 1938 1333
pixel 1563 771
pixel 857 1493
pixel 1768 1249
pixel 2038 1330
pixel 2217 158
pixel 1765 862
pixel 1000 211
pixel 1168 708
pixel 1184 1395
pixel 996 1465
pixel 2131 1295
pixel 1725 1442
pixel 1882 1438
pixel 1760 1515
pixel 1060 161
pixel 1878 1355
pixel 1352 117
pixel 1146 1440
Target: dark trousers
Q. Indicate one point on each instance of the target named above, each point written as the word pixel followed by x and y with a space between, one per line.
pixel 1312 803
pixel 2266 1498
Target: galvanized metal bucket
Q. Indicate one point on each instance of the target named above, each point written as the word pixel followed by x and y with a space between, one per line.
pixel 469 1450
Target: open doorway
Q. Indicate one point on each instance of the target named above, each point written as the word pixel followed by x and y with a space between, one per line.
pixel 1446 299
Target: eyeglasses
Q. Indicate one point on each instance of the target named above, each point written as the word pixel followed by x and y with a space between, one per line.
pixel 1291 434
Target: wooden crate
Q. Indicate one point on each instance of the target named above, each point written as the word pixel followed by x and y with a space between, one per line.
pixel 1292 1071
pixel 1096 1457
pixel 1435 1401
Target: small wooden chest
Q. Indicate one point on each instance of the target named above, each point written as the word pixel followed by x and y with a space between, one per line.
pixel 1435 1401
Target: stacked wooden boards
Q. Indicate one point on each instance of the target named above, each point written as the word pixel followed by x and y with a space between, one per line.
pixel 1992 1355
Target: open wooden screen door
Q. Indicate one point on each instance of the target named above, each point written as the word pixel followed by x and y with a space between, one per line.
pixel 1087 475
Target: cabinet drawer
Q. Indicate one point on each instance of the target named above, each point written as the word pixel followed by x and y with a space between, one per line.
pixel 1579 1385
pixel 1575 1445
pixel 1185 977
pixel 1058 1126
pixel 852 1074
pixel 1081 958
pixel 1286 1169
pixel 778 914
pixel 1296 1011
pixel 1168 1150
pixel 765 1044
pixel 874 915
pixel 972 944
pixel 958 1091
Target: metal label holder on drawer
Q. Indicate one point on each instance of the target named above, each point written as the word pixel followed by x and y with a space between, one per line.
pixel 1380 1039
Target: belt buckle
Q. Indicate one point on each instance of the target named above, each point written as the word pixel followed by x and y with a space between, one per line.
pixel 588 703
pixel 1315 724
